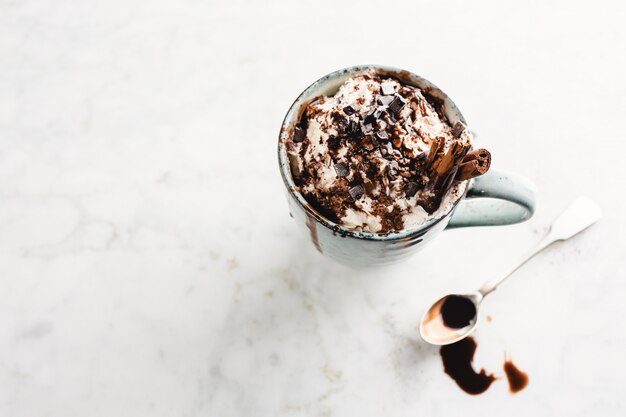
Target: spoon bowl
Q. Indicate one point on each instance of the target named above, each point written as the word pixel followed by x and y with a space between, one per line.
pixel 438 325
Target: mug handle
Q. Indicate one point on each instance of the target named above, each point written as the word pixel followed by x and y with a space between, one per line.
pixel 494 199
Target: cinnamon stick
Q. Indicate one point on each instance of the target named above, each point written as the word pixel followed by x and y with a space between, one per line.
pixel 474 164
pixel 444 169
pixel 435 148
pixel 455 153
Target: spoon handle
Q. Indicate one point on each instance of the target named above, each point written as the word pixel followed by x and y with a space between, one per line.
pixel 582 213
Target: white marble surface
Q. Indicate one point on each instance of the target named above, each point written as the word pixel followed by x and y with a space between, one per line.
pixel 148 265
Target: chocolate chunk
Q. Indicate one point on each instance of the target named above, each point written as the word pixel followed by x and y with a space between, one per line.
pixel 387 89
pixel 299 135
pixel 385 100
pixel 357 191
pixel 411 189
pixel 342 169
pixel 458 129
pixel 382 135
pixel 397 105
pixel 351 109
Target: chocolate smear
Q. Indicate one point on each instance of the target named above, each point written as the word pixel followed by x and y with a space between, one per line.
pixel 518 379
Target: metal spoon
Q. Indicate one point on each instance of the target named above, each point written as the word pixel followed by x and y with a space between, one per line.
pixel 581 214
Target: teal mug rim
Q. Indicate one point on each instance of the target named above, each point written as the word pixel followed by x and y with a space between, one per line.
pixel 285 170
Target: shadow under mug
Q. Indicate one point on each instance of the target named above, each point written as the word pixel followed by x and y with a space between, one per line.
pixel 496 198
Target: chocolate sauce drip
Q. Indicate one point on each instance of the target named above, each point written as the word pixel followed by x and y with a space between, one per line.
pixel 517 379
pixel 457 362
pixel 457 312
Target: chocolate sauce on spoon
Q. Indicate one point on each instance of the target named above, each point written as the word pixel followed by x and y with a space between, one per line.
pixel 457 312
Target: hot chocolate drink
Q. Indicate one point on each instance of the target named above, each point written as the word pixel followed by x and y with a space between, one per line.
pixel 380 155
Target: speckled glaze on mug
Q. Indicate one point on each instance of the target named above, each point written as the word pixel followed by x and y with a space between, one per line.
pixel 496 198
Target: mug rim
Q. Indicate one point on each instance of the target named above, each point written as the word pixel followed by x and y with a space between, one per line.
pixel 285 169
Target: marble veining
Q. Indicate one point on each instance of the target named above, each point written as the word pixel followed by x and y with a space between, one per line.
pixel 148 263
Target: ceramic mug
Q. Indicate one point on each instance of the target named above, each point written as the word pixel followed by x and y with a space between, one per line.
pixel 496 198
